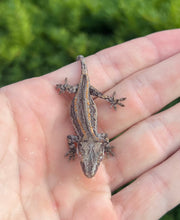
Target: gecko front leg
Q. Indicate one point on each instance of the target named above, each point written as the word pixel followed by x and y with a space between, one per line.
pixel 72 139
pixel 108 149
pixel 66 87
pixel 110 99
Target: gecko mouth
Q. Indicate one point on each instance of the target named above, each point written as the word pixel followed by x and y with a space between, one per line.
pixel 88 169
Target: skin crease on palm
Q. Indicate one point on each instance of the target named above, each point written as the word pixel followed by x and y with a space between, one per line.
pixel 38 182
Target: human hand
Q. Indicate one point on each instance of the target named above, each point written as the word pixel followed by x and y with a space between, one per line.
pixel 38 182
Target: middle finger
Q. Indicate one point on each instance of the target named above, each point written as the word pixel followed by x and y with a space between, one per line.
pixel 147 91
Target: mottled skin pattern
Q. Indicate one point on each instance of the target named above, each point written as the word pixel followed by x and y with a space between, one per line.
pixel 91 145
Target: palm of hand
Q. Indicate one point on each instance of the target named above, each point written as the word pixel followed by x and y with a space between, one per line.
pixel 37 182
pixel 41 183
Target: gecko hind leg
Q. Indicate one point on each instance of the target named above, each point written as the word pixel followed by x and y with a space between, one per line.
pixel 110 99
pixel 66 87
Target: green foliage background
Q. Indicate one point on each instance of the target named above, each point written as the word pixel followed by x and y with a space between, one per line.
pixel 37 37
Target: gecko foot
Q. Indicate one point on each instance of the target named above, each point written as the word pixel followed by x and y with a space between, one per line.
pixel 109 150
pixel 61 88
pixel 115 102
pixel 71 154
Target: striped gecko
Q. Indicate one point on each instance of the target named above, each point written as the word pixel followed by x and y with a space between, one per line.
pixel 87 143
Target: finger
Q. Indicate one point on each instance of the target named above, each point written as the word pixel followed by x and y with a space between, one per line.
pixel 9 172
pixel 141 94
pixel 109 66
pixel 137 85
pixel 121 61
pixel 144 146
pixel 147 91
pixel 151 195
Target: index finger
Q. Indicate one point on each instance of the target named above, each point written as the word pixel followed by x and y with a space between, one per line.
pixel 109 66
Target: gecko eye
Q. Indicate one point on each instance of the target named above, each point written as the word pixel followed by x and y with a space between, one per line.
pixel 85 140
pixel 81 150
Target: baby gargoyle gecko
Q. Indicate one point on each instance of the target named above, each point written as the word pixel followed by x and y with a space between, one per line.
pixel 87 143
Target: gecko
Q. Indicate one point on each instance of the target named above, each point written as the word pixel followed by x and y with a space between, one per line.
pixel 88 144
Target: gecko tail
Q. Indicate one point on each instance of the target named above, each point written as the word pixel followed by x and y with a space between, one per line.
pixel 83 64
pixel 79 57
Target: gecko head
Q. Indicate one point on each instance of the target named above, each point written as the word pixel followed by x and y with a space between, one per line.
pixel 91 154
